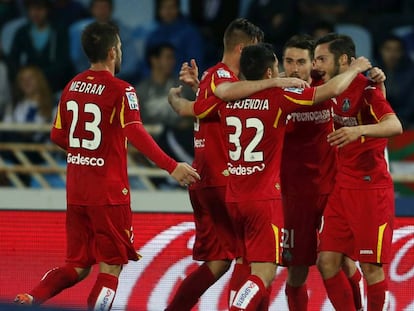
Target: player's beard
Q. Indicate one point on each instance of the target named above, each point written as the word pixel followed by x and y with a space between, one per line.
pixel 335 70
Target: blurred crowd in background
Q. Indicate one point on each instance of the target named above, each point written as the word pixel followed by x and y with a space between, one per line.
pixel 40 50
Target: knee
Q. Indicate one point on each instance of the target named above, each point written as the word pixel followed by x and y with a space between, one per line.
pixel 114 270
pixel 218 267
pixel 297 275
pixel 266 271
pixel 373 273
pixel 328 264
pixel 83 272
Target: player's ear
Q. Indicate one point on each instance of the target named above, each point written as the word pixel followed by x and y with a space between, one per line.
pixel 344 60
pixel 240 47
pixel 269 73
pixel 112 53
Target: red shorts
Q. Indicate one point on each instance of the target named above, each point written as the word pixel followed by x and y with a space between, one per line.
pixel 258 227
pixel 215 236
pixel 99 234
pixel 302 217
pixel 359 224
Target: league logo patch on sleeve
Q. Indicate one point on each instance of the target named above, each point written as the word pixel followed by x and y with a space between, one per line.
pixel 294 90
pixel 222 73
pixel 132 100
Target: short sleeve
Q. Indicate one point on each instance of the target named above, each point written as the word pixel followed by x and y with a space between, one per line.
pixel 129 109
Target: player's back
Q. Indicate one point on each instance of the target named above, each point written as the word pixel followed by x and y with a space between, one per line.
pixel 254 129
pixel 92 112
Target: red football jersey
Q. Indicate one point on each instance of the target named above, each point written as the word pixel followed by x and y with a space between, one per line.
pixel 308 160
pixel 362 164
pixel 93 109
pixel 255 129
pixel 210 155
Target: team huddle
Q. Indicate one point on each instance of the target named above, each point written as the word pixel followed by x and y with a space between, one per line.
pixel 294 161
pixel 286 171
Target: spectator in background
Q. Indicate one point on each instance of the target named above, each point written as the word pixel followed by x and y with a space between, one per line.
pixel 399 69
pixel 176 29
pixel 5 94
pixel 212 18
pixel 320 28
pixel 67 12
pixel 44 44
pixel 102 11
pixel 276 18
pixel 33 104
pixel 175 134
pixel 330 10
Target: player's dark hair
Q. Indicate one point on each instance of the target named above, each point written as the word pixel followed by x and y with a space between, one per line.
pixel 97 39
pixel 339 45
pixel 256 59
pixel 239 31
pixel 303 42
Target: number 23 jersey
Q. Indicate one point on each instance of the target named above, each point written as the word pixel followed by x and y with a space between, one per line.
pixel 93 110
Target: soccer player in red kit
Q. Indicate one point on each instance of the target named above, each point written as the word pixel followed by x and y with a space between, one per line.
pixel 259 153
pixel 358 219
pixel 307 159
pixel 214 242
pixel 255 129
pixel 97 114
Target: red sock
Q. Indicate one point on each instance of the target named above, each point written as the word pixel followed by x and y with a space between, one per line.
pixel 297 297
pixel 339 292
pixel 53 282
pixel 103 292
pixel 191 289
pixel 250 295
pixel 377 296
pixel 357 286
pixel 240 274
pixel 264 306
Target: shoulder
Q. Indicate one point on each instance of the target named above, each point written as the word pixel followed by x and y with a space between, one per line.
pixel 221 71
pixel 122 86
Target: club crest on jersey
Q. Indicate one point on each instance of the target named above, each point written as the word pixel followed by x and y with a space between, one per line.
pixel 222 73
pixel 132 100
pixel 346 105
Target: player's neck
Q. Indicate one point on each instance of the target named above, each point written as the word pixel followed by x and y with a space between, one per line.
pixel 232 62
pixel 102 67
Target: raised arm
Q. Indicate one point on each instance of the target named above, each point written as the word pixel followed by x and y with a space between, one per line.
pixel 340 83
pixel 181 106
pixel 388 126
pixel 189 74
pixel 378 76
pixel 228 91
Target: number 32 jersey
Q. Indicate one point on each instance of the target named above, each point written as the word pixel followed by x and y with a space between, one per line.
pixel 255 129
pixel 93 110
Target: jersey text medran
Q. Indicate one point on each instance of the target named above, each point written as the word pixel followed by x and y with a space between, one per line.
pixel 88 88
